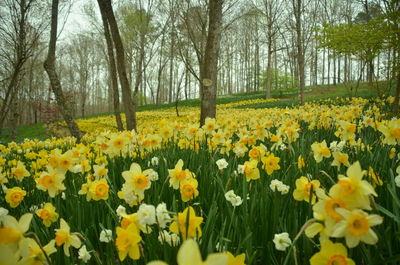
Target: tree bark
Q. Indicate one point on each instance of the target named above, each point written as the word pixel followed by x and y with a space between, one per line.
pixel 300 52
pixel 397 96
pixel 49 66
pixel 113 73
pixel 209 67
pixel 268 81
pixel 129 105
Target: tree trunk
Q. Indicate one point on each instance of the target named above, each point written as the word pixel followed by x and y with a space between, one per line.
pixel 139 69
pixel 396 99
pixel 300 52
pixel 338 71
pixel 209 67
pixel 113 73
pixel 268 81
pixel 171 66
pixel 129 105
pixel 370 71
pixel 49 66
pixel 10 94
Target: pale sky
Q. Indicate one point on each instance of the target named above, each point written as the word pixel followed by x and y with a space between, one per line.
pixel 77 20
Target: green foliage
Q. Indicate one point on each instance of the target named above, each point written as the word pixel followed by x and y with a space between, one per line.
pixel 135 23
pixel 364 41
pixel 280 81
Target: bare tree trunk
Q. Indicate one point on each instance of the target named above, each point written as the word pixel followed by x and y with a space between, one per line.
pixel 299 43
pixel 209 67
pixel 129 104
pixel 49 66
pixel 139 68
pixel 397 96
pixel 159 72
pixel 370 71
pixel 268 83
pixel 10 95
pixel 14 122
pixel 113 73
pixel 171 64
pixel 338 71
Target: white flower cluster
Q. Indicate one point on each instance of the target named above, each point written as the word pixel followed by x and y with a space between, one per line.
pixel 397 178
pixel 282 241
pixel 170 238
pixel 240 169
pixel 84 255
pixel 106 235
pixel 154 161
pixel 163 217
pixel 335 146
pixel 152 174
pixel 146 214
pixel 221 163
pixel 234 199
pixel 277 185
pixel 121 211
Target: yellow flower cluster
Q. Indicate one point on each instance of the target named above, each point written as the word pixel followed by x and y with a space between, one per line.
pixel 301 146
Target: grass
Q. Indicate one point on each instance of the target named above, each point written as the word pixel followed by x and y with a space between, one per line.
pixel 35 131
pixel 289 98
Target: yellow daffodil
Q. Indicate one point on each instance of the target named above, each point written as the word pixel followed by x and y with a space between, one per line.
pixel 12 231
pixel 356 226
pixel 189 189
pixel 353 189
pixel 19 171
pixel 32 254
pixel 177 175
pixel 127 242
pixel 99 189
pixel 391 131
pixel 251 171
pixel 305 190
pixel 189 253
pixel 320 151
pixel 257 152
pixel 51 181
pixel 270 163
pixel 65 238
pixel 300 162
pixel 100 171
pixel 187 224
pixel 376 179
pixel 339 159
pixel 137 180
pixel 14 196
pixel 238 260
pixel 331 254
pixel 48 214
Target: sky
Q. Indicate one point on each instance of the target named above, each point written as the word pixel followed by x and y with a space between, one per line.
pixel 76 20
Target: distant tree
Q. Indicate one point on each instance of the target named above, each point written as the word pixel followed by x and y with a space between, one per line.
pixel 107 15
pixel 272 12
pixel 297 6
pixel 209 66
pixel 392 19
pixel 49 66
pixel 365 41
pixel 19 38
pixel 112 71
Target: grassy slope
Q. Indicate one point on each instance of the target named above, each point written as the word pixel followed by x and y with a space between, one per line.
pixel 289 99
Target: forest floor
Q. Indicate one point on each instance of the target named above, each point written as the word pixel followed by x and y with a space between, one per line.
pixel 286 99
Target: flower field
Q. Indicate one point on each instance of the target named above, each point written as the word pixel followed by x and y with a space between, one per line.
pixel 314 184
